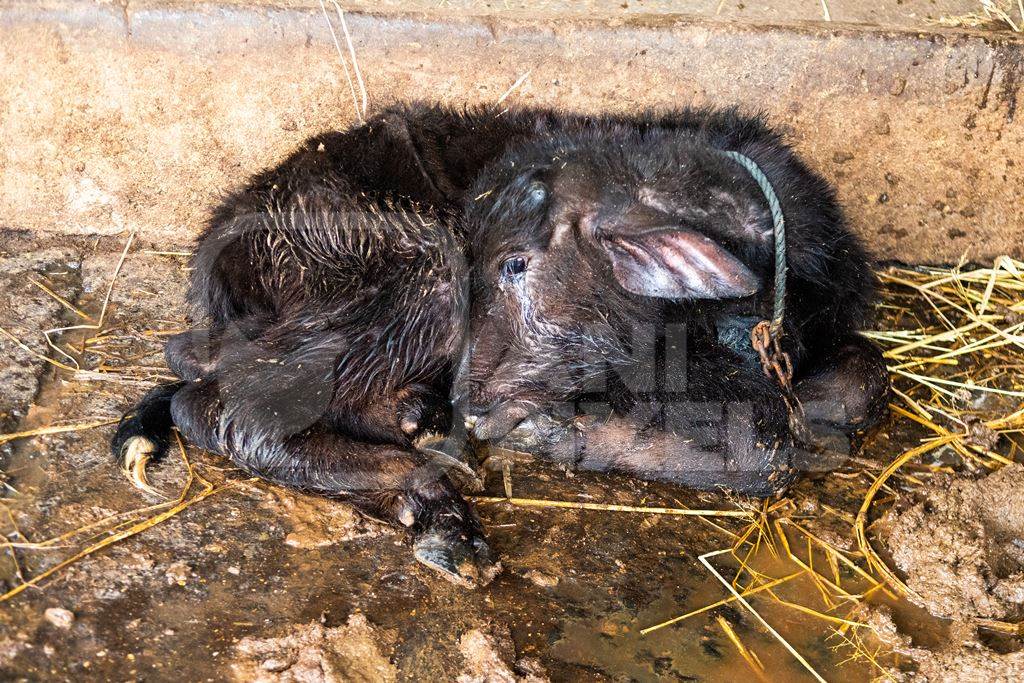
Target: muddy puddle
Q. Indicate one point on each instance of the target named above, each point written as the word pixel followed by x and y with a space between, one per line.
pixel 248 581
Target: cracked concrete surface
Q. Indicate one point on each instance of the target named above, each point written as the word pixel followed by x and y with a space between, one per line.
pixel 134 117
pixel 30 309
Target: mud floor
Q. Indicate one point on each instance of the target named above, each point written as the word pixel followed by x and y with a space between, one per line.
pixel 961 547
pixel 961 656
pixel 241 580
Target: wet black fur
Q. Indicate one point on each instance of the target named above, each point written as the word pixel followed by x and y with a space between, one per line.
pixel 576 333
pixel 330 296
pixel 831 283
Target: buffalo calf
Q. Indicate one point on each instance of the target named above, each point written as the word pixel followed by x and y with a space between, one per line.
pixel 555 269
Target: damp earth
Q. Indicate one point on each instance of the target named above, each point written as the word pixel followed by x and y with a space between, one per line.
pixel 237 579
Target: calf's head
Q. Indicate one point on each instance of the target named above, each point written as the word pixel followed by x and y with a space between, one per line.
pixel 577 245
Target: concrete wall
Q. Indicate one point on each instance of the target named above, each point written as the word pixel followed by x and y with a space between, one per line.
pixel 133 117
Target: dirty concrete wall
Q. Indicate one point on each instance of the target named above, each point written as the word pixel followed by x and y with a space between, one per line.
pixel 134 117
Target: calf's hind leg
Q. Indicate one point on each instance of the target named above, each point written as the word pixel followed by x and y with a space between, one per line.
pixel 144 433
pixel 190 355
pixel 389 482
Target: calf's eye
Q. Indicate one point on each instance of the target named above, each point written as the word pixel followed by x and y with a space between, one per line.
pixel 536 192
pixel 512 266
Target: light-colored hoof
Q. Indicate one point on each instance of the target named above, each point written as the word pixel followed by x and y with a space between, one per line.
pixel 462 474
pixel 135 455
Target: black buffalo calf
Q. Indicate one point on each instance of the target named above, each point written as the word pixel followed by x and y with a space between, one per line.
pixel 333 296
pixel 330 298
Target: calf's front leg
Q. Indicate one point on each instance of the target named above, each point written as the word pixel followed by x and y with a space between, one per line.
pixel 846 389
pixel 399 485
pixel 735 446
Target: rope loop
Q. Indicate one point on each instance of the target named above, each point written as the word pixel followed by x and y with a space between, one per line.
pixel 779 229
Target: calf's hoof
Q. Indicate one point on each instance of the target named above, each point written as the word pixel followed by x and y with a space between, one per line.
pixel 463 558
pixel 448 536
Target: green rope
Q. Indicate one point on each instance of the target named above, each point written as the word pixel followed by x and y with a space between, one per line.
pixel 779 222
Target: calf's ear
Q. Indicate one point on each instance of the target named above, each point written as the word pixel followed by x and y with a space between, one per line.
pixel 675 263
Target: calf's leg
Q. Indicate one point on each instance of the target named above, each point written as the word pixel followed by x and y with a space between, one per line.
pixel 727 430
pixel 699 445
pixel 190 355
pixel 389 482
pixel 144 432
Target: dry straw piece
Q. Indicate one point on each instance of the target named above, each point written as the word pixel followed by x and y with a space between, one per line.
pixel 579 505
pixel 989 12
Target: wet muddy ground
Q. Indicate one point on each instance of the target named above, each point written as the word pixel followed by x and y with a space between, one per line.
pixel 248 581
